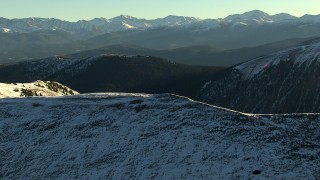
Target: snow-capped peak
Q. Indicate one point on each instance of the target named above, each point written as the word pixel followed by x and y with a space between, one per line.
pixel 180 18
pixel 256 15
pixel 172 20
pixel 99 21
pixel 123 17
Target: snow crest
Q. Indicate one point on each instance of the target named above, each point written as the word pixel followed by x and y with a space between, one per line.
pixel 298 55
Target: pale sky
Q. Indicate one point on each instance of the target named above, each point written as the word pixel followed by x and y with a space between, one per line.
pixel 73 10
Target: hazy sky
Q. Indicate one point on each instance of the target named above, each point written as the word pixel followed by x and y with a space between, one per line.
pixel 74 10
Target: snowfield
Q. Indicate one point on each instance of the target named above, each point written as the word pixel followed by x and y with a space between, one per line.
pixel 37 88
pixel 141 136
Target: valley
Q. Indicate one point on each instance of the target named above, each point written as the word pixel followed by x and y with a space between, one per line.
pixel 105 73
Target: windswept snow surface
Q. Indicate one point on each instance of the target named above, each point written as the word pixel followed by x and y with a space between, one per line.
pixel 37 88
pixel 140 136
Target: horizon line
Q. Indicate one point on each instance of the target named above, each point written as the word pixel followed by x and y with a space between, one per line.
pixel 150 19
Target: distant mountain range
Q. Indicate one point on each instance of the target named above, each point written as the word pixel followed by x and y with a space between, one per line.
pixel 36 38
pixel 21 47
pixel 283 82
pixel 124 22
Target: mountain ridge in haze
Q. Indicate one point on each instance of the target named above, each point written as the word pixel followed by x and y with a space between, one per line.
pixel 50 37
pixel 204 55
pixel 124 22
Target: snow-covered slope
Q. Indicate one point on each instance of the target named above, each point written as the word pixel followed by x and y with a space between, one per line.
pixel 38 88
pixel 140 136
pixel 283 82
pixel 299 55
pixel 5 30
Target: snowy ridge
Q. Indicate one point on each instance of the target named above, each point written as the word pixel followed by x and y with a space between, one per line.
pixel 37 88
pixel 298 55
pixel 122 136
